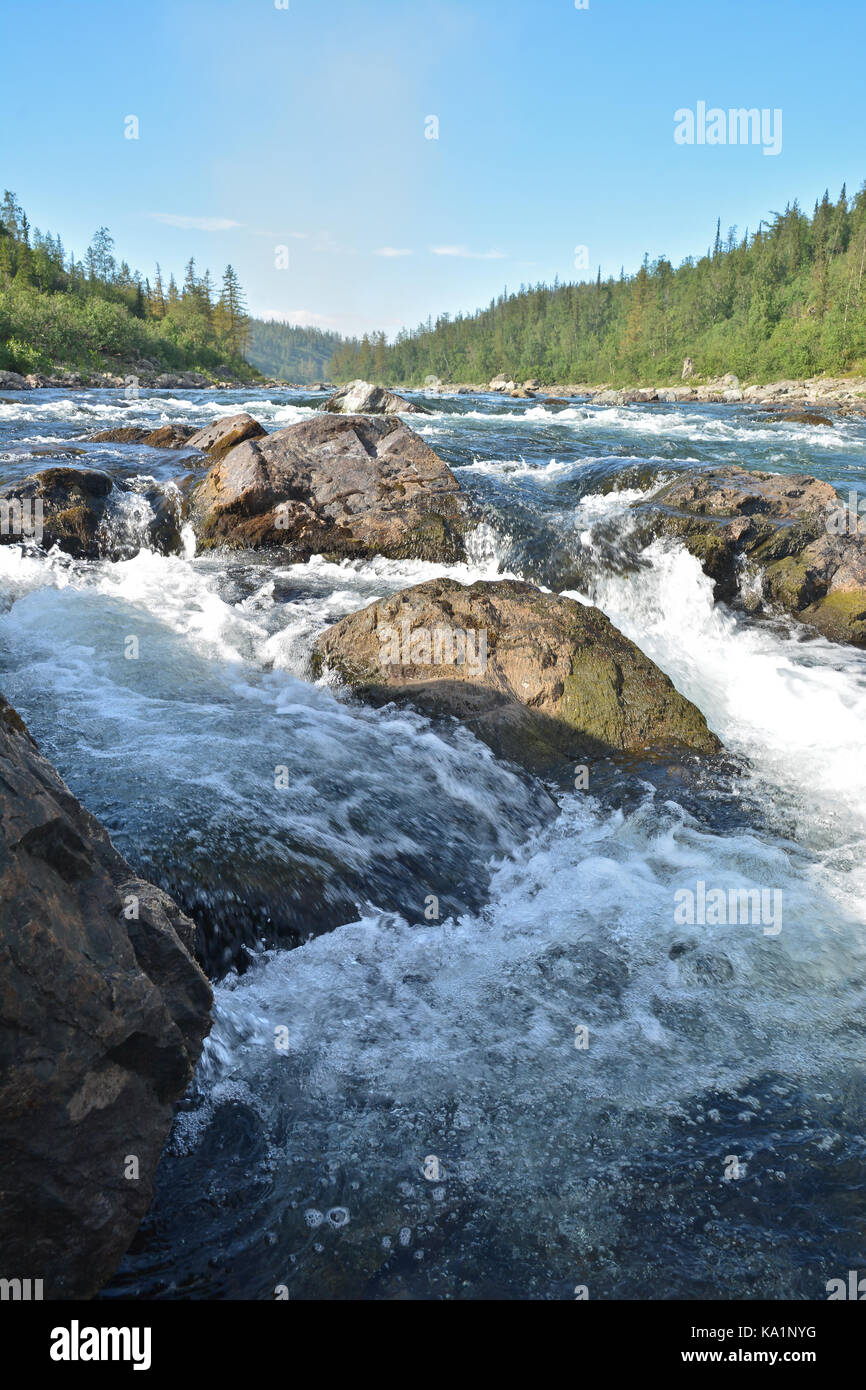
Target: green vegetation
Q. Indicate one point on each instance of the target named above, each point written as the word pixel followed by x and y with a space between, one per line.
pixel 56 312
pixel 288 353
pixel 787 301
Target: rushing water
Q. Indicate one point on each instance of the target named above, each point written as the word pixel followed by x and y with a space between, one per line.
pixel 396 1107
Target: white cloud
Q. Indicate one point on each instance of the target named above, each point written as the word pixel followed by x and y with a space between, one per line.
pixel 199 224
pixel 391 251
pixel 463 253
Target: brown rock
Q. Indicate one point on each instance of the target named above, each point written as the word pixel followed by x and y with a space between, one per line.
pixel 165 437
pixel 542 679
pixel 217 438
pixel 341 485
pixel 102 1017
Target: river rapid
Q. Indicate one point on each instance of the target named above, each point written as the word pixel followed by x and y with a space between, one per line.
pixel 393 1104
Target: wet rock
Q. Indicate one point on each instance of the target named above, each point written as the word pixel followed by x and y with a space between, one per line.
pixel 217 438
pixel 13 381
pixel 804 417
pixel 88 516
pixel 361 398
pixel 103 1012
pixel 807 555
pixel 59 506
pixel 541 679
pixel 164 437
pixel 345 486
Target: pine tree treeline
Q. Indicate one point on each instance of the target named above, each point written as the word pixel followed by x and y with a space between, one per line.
pixel 787 301
pixel 290 353
pixel 59 311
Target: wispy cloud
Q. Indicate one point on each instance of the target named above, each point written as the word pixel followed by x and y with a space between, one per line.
pixel 464 254
pixel 391 251
pixel 199 224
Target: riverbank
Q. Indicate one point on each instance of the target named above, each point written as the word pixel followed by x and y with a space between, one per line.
pixel 842 394
pixel 133 378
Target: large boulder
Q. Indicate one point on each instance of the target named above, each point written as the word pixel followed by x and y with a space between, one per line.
pixel 541 679
pixel 361 398
pixel 789 530
pixel 345 486
pixel 103 1012
pixel 88 516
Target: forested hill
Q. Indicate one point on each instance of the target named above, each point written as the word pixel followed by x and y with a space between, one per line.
pixel 60 311
pixel 787 300
pixel 289 353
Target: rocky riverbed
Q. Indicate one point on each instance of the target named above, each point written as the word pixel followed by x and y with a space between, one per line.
pixel 467 1042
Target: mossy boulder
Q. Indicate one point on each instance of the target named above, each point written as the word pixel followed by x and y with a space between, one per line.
pixel 787 530
pixel 542 679
pixel 89 516
pixel 59 506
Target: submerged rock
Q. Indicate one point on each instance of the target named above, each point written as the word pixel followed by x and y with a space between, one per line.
pixel 345 486
pixel 803 417
pixel 361 398
pixel 541 679
pixel 103 1012
pixel 791 530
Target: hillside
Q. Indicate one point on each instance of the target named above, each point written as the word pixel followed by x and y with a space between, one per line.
pixel 57 312
pixel 290 353
pixel 786 300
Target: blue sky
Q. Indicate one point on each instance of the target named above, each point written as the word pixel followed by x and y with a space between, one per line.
pixel 305 128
